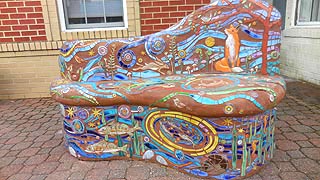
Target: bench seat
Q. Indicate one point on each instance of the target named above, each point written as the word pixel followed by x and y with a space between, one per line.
pixel 205 95
pixel 199 96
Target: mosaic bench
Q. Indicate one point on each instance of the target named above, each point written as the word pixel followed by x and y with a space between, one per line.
pixel 199 97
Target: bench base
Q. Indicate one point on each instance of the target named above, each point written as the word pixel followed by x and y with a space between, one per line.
pixel 217 148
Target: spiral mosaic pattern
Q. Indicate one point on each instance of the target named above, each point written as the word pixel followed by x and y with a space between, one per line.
pixel 124 111
pixel 78 126
pixel 102 50
pixel 156 45
pixel 127 59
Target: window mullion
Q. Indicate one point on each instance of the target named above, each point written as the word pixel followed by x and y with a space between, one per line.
pixel 315 11
pixel 312 10
pixel 66 15
pixel 104 12
pixel 85 11
pixel 298 11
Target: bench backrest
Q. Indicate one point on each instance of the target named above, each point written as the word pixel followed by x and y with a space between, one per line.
pixel 236 36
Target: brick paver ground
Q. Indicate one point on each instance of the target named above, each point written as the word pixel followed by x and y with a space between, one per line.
pixel 31 144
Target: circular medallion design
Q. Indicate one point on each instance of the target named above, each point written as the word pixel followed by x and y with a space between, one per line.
pixel 83 114
pixel 102 50
pixel 271 97
pixel 124 111
pixel 210 42
pixel 182 53
pixel 140 109
pixel 156 45
pixel 181 133
pixel 74 77
pixel 228 109
pixel 127 59
pixel 146 139
pixel 220 148
pixel 77 126
pixel 275 54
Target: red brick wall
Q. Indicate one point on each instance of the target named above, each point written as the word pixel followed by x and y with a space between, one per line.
pixel 157 15
pixel 21 21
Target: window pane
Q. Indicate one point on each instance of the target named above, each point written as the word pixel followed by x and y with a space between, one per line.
pixel 281 5
pixel 305 10
pixel 316 11
pixel 93 13
pixel 75 11
pixel 114 10
pixel 95 10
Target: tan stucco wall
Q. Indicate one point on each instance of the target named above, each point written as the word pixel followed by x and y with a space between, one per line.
pixel 26 69
pixel 300 49
pixel 28 75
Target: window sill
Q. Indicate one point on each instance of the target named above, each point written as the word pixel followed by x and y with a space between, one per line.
pixel 311 26
pixel 95 29
pixel 312 32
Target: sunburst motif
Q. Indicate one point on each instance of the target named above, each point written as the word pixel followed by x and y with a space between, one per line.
pixel 91 124
pixel 91 53
pixel 70 111
pixel 227 122
pixel 96 112
pixel 241 130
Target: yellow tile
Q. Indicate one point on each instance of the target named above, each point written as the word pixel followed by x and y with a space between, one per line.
pixel 26 46
pixel 4 47
pixel 91 35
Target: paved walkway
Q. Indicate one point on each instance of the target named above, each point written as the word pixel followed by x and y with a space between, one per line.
pixel 31 144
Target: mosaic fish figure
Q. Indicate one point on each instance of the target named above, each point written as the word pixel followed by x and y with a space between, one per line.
pixel 118 129
pixel 105 147
pixel 176 135
pixel 156 65
pixel 231 60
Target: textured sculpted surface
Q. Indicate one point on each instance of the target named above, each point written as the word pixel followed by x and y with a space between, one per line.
pixel 222 148
pixel 198 97
pixel 242 35
pixel 193 94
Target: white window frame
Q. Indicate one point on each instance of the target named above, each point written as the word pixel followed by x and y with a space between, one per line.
pixel 63 26
pixel 298 23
